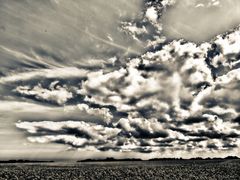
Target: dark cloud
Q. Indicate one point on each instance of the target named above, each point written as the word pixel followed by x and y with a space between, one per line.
pixel 213 135
pixel 143 133
pixel 237 120
pixel 229 146
pixel 193 120
pixel 212 146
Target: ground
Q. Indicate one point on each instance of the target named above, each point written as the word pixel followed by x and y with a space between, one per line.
pixel 192 169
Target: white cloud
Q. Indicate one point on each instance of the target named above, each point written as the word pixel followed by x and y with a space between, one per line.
pixel 58 94
pixel 168 2
pixel 69 132
pixel 230 42
pixel 68 139
pixel 151 14
pixel 99 112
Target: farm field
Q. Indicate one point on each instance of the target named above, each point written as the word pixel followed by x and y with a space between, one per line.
pixel 192 169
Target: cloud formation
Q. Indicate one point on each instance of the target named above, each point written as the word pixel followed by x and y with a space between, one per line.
pixel 178 96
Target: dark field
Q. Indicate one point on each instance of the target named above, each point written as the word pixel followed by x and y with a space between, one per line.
pixel 197 169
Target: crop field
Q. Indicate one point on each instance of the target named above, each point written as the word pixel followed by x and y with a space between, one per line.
pixel 198 169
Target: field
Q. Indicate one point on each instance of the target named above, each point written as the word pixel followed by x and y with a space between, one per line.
pixel 185 169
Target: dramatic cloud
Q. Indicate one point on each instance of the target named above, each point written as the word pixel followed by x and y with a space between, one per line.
pixel 178 97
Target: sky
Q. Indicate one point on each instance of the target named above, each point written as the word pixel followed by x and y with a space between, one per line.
pixel 122 79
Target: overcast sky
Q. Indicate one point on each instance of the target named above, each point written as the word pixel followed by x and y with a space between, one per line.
pixel 123 79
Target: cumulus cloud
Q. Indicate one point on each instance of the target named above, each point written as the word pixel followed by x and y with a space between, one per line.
pixel 74 133
pixel 55 93
pixel 135 134
pixel 175 90
pixel 151 14
pixel 142 128
pixel 169 79
pixel 172 99
pixel 103 113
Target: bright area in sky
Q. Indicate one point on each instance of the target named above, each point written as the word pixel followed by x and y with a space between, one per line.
pixel 200 20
